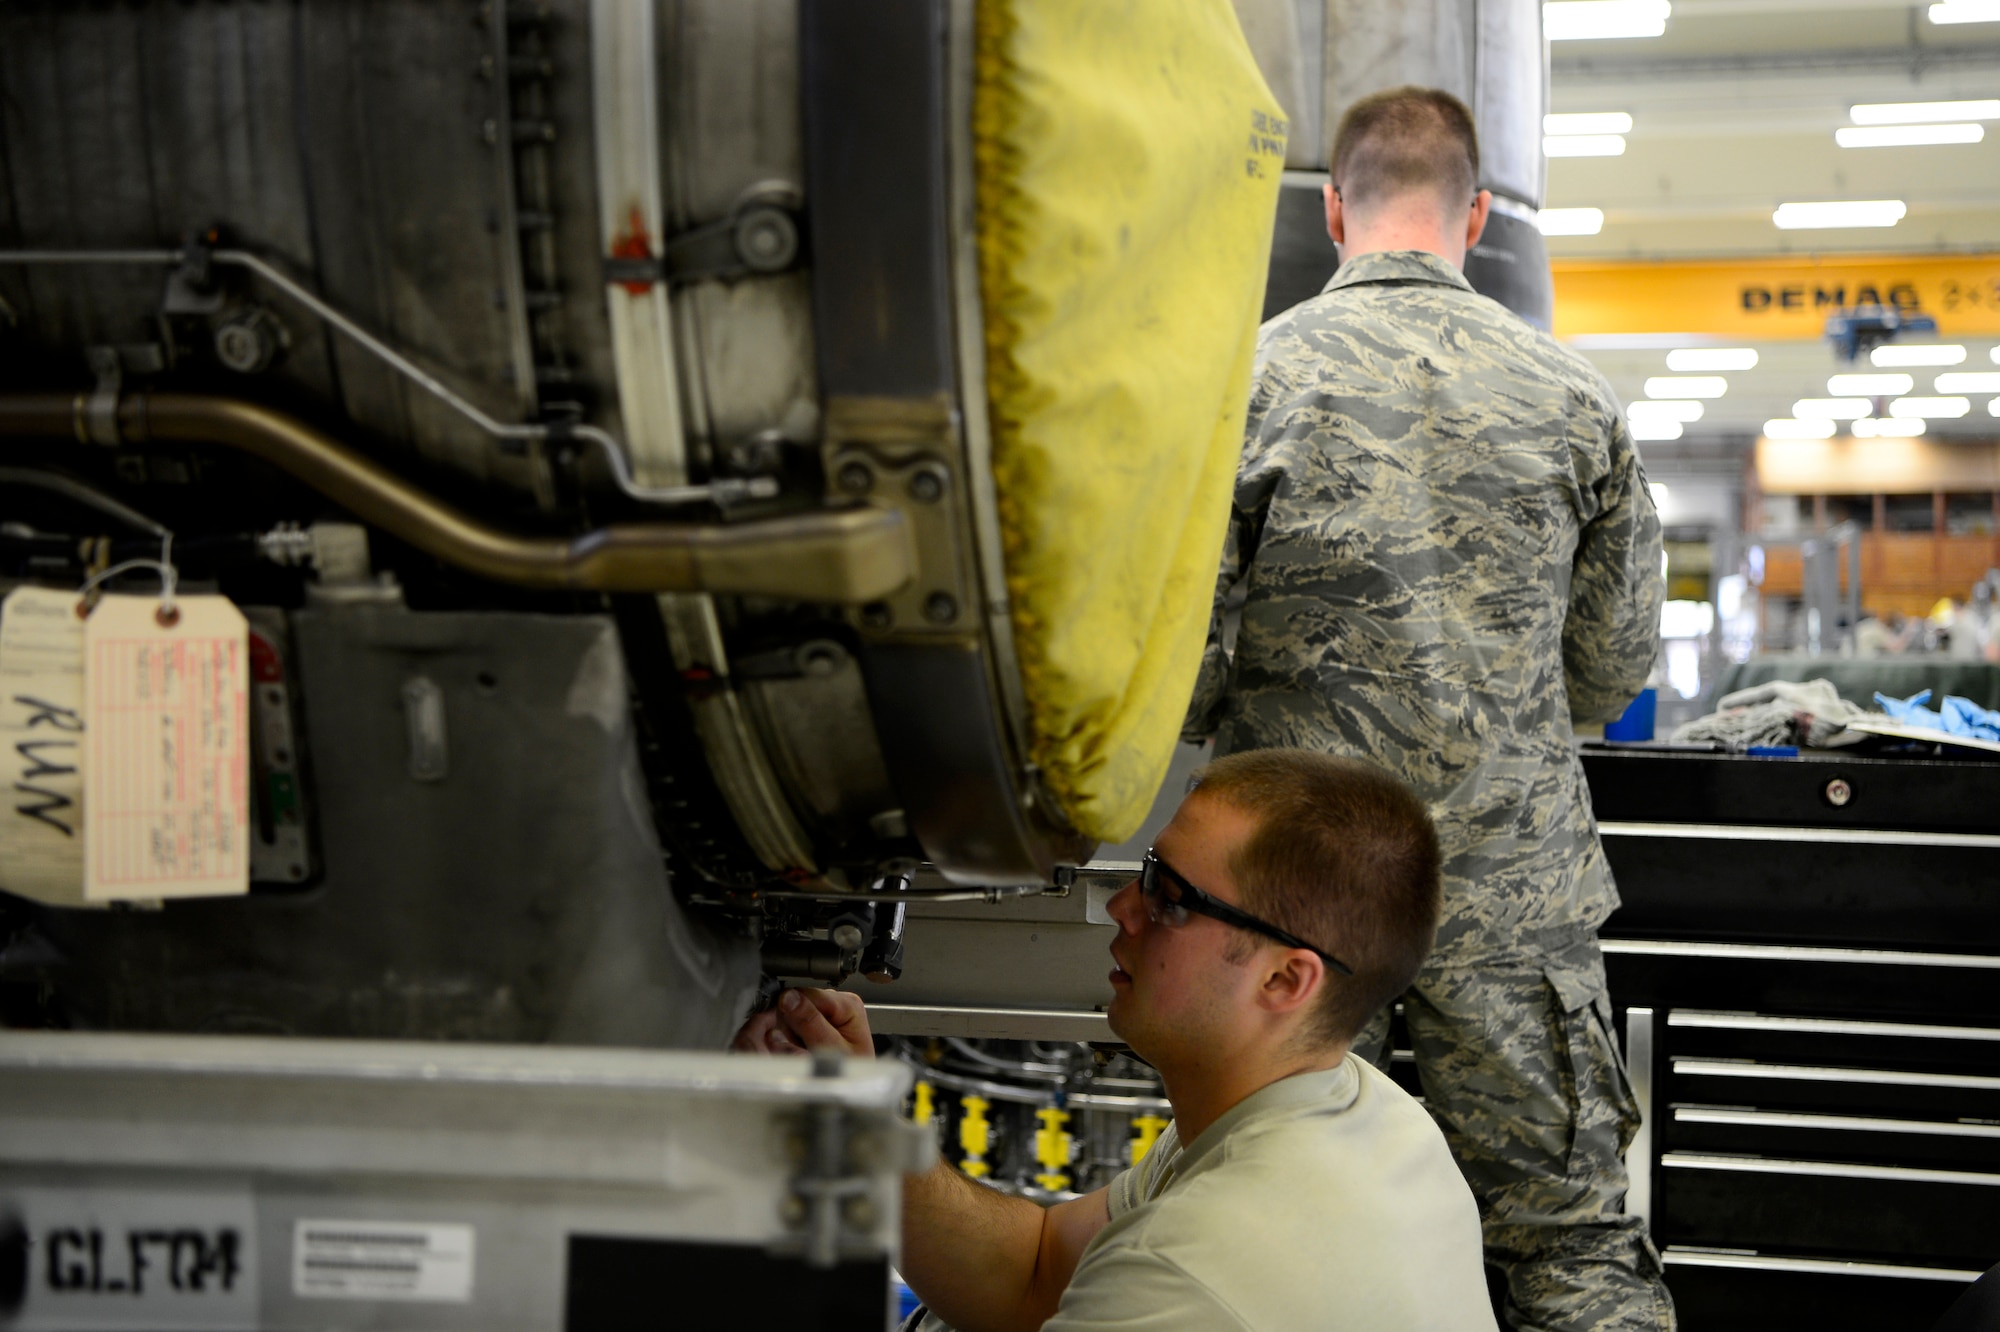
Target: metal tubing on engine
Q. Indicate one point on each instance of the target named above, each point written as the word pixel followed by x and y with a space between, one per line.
pixel 807 959
pixel 844 556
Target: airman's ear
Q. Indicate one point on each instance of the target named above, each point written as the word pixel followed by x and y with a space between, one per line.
pixel 1336 218
pixel 1475 222
pixel 1292 980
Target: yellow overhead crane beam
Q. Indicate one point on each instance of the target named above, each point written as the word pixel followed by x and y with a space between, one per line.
pixel 1773 298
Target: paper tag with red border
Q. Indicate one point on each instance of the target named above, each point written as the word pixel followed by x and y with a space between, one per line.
pixel 166 757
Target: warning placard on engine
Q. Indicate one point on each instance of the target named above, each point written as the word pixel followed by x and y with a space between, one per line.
pixel 382 1260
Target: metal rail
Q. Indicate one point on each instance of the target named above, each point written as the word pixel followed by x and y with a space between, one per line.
pixel 891 1019
pixel 1935 1128
pixel 1746 952
pixel 1761 1165
pixel 1747 1260
pixel 1691 1066
pixel 1007 1091
pixel 1732 832
pixel 1817 1026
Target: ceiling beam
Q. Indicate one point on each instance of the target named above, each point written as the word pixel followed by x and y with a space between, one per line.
pixel 1916 60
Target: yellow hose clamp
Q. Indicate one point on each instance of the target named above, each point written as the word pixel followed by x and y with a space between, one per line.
pixel 923 1103
pixel 1053 1147
pixel 975 1135
pixel 1146 1130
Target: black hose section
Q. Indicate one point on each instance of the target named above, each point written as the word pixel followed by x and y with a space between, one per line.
pixel 88 496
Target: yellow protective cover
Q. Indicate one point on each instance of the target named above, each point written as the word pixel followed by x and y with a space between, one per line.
pixel 1128 156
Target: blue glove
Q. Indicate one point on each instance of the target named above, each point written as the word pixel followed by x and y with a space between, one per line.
pixel 1964 717
pixel 1910 711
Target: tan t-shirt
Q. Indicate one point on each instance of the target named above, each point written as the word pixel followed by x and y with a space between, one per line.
pixel 1326 1200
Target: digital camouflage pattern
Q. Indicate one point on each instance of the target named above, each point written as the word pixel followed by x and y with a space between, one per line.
pixel 1520 1070
pixel 1451 553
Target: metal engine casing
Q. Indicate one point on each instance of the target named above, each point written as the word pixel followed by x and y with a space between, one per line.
pixel 737 235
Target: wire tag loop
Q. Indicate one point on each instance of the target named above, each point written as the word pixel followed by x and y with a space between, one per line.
pixel 169 614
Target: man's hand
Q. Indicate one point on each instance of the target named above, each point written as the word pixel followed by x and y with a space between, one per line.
pixel 809 1019
pixel 982 1260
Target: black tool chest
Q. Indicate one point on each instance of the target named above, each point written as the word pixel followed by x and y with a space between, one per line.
pixel 1806 969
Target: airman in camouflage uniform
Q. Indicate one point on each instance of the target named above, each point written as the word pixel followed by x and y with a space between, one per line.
pixel 1449 555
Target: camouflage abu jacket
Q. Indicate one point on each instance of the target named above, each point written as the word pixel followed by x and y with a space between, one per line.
pixel 1450 554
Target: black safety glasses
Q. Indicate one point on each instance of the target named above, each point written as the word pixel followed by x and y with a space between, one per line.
pixel 1169 898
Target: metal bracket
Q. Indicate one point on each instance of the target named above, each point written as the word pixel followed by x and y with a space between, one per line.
pixel 814 658
pixel 903 455
pixel 100 413
pixel 760 236
pixel 827 1203
pixel 191 286
pixel 882 960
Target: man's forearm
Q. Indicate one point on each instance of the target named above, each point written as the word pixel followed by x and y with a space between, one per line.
pixel 981 1260
pixel 971 1254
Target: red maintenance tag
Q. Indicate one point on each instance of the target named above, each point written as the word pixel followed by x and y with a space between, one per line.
pixel 166 749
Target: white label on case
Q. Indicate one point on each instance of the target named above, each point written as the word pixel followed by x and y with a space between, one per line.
pixel 382 1260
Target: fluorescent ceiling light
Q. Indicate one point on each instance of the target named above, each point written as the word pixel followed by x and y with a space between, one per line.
pixel 1684 359
pixel 1869 386
pixel 1577 20
pixel 1587 145
pixel 1876 427
pixel 1840 213
pixel 1587 122
pixel 1905 136
pixel 1931 409
pixel 1966 11
pixel 1786 427
pixel 1570 221
pixel 1659 490
pixel 1671 409
pixel 1651 431
pixel 1921 113
pixel 1686 619
pixel 1967 381
pixel 1932 354
pixel 1631 341
pixel 1686 386
pixel 1993 407
pixel 1840 409
pixel 1994 355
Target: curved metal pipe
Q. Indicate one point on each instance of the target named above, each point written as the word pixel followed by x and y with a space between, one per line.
pixel 724 490
pixel 846 556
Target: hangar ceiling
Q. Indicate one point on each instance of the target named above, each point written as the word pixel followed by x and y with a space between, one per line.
pixel 1734 109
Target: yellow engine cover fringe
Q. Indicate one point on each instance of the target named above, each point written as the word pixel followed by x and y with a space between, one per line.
pixel 1128 157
